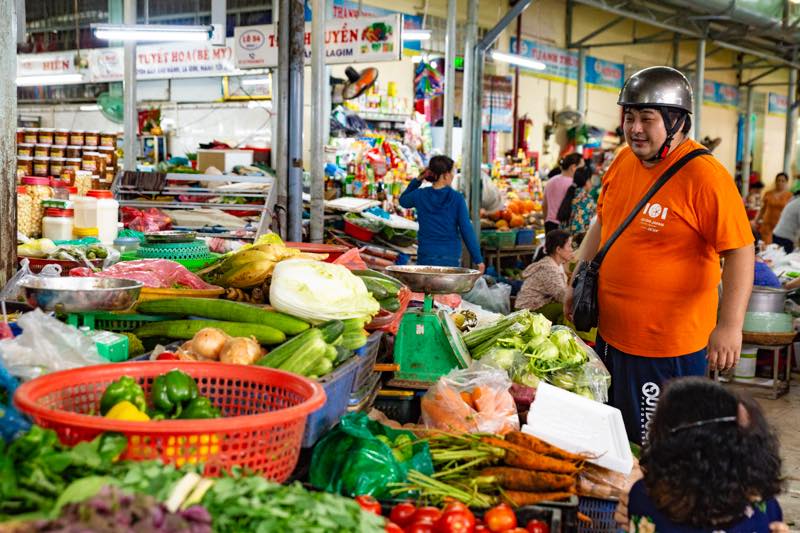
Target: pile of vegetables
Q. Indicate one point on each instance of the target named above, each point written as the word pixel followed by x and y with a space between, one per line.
pixel 317 351
pixel 172 395
pixel 482 470
pixel 46 249
pixel 213 344
pixel 383 288
pixel 525 345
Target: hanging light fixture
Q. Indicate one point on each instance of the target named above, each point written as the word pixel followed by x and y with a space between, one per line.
pixel 518 60
pixel 49 79
pixel 152 32
pixel 416 35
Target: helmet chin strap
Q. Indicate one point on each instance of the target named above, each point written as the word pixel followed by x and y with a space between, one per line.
pixel 671 131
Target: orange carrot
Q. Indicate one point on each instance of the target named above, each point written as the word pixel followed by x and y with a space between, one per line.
pixel 468 399
pixel 585 519
pixel 539 446
pixel 527 480
pixel 541 463
pixel 477 392
pixel 519 498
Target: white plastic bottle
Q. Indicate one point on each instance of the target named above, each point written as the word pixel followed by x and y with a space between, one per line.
pixel 107 215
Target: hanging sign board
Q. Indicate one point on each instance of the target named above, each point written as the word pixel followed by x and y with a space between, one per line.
pixel 721 94
pixel 363 40
pixel 46 64
pixel 778 104
pixel 164 61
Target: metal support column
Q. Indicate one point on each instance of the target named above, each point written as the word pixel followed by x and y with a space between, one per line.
pixel 317 119
pixel 467 97
pixel 699 83
pixel 450 76
pixel 676 50
pixel 295 19
pixel 130 120
pixel 475 131
pixel 791 119
pixel 747 141
pixel 582 82
pixel 280 107
pixel 8 153
pixel 20 21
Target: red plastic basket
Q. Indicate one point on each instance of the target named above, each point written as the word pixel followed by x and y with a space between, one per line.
pixel 264 411
pixel 356 231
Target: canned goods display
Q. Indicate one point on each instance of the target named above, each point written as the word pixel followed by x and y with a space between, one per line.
pixel 91 138
pixel 41 150
pixel 46 135
pixel 61 137
pixel 41 166
pixel 58 150
pixel 73 151
pixel 77 138
pixel 31 135
pixel 25 149
pixel 108 139
pixel 57 165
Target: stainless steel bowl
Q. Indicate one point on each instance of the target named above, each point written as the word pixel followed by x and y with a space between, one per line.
pixel 81 294
pixel 767 300
pixel 435 280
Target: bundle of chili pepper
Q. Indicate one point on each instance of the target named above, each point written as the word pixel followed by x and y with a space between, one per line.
pixel 481 470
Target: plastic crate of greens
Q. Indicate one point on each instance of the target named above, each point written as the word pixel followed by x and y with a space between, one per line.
pixel 499 239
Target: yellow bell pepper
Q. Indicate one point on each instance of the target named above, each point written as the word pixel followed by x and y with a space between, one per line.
pixel 125 410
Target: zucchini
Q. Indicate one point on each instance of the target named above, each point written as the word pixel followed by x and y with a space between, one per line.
pixel 342 355
pixel 355 324
pixel 354 340
pixel 285 351
pixel 331 330
pixel 323 368
pixel 330 353
pixel 224 310
pixel 186 329
pixel 392 288
pixel 379 275
pixel 391 304
pixel 307 358
pixel 377 289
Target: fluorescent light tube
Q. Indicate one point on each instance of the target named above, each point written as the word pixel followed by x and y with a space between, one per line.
pixel 92 107
pixel 254 81
pixel 49 79
pixel 416 35
pixel 152 32
pixel 517 60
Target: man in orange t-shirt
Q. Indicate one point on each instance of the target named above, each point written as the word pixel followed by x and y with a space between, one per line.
pixel 658 285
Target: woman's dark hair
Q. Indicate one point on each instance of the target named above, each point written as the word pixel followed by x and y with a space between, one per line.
pixel 782 174
pixel 554 172
pixel 704 463
pixel 437 166
pixel 582 175
pixel 554 239
pixel 571 159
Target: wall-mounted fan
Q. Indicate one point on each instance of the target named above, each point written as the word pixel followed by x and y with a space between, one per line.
pixel 355 85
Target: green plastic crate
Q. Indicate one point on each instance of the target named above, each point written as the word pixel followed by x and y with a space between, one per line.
pixel 116 322
pixel 499 239
pixel 193 265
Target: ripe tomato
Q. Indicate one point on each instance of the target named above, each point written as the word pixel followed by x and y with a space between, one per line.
pixel 421 526
pixel 166 356
pixel 369 504
pixel 480 528
pixel 456 518
pixel 427 512
pixel 500 518
pixel 537 526
pixel 403 513
pixel 391 527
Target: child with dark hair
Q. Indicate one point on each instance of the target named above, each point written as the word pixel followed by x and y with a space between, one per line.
pixel 710 464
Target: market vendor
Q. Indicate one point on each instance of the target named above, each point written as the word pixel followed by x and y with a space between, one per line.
pixel 545 280
pixel 658 286
pixel 443 217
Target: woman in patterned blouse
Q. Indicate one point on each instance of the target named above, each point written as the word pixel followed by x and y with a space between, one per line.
pixel 578 207
pixel 545 280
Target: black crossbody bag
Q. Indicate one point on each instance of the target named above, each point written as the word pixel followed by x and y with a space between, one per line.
pixel 585 308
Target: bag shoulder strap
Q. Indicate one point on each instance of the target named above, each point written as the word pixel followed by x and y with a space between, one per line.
pixel 663 179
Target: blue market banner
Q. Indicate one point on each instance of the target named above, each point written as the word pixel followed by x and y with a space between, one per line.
pixel 778 104
pixel 721 94
pixel 562 65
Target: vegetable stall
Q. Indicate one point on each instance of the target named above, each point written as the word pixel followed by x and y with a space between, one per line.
pixel 260 391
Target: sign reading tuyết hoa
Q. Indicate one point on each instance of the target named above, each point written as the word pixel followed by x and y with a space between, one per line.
pixel 363 40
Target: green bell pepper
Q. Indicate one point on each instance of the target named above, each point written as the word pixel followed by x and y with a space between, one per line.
pixel 123 389
pixel 200 408
pixel 172 392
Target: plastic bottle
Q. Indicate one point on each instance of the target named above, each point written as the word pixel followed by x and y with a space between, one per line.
pixel 107 215
pixel 57 224
pixel 85 211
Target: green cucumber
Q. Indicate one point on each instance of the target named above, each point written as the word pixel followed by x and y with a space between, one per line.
pixel 297 345
pixel 186 329
pixel 323 368
pixel 391 304
pixel 304 362
pixel 378 275
pixel 377 289
pixel 224 310
pixel 355 324
pixel 331 330
pixel 354 340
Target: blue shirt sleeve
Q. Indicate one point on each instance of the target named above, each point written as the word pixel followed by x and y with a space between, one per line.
pixel 408 198
pixel 467 233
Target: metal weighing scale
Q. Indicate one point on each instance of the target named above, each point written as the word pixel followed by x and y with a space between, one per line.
pixel 428 344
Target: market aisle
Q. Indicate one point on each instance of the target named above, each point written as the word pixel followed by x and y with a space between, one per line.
pixel 782 414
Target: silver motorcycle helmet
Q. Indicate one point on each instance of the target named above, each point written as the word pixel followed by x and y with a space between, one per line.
pixel 665 89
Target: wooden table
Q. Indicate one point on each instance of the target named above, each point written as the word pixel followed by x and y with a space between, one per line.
pixel 498 254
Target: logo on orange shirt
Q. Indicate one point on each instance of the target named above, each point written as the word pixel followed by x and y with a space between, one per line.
pixel 653 217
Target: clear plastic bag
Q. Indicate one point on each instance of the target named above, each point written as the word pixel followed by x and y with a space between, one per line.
pixel 46 345
pixel 495 298
pixel 154 273
pixel 13 291
pixel 146 220
pixel 471 400
pixel 592 379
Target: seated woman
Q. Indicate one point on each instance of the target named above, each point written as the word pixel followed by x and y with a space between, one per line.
pixel 545 280
pixel 711 464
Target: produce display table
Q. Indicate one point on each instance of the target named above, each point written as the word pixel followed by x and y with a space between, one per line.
pixel 497 254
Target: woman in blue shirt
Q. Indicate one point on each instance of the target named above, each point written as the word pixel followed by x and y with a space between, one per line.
pixel 443 217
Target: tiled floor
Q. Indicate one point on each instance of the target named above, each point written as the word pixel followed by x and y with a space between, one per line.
pixel 784 414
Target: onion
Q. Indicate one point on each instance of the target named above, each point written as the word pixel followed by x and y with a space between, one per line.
pixel 208 343
pixel 241 351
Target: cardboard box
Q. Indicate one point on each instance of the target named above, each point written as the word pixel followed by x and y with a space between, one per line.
pixel 223 160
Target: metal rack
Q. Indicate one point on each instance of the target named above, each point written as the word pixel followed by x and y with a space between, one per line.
pixel 259 188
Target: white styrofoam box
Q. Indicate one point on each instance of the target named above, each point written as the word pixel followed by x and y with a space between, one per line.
pixel 580 425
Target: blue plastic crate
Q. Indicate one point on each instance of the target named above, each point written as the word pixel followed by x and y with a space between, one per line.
pixel 525 237
pixel 602 514
pixel 367 356
pixel 337 385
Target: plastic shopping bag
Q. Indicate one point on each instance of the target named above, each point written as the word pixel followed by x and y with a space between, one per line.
pixel 495 298
pixel 472 400
pixel 361 456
